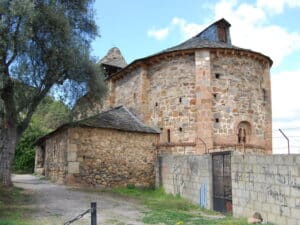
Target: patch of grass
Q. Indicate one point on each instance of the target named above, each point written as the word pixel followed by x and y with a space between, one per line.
pixel 13 206
pixel 14 222
pixel 174 210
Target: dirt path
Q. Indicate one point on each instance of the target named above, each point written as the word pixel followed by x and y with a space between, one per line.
pixel 57 204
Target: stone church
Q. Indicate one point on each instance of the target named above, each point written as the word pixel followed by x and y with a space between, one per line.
pixel 202 96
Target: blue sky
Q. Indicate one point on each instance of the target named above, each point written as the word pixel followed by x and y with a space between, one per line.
pixel 141 28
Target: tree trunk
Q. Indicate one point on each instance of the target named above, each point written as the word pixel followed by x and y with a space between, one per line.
pixel 8 140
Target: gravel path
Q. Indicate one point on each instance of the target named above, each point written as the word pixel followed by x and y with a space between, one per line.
pixel 57 204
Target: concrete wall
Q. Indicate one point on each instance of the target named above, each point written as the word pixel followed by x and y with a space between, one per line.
pixel 267 184
pixel 188 176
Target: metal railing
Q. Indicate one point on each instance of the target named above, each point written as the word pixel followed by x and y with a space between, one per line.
pixel 92 210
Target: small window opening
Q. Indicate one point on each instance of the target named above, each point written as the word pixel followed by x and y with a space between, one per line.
pixel 217 75
pixel 217 120
pixel 265 95
pixel 83 157
pixel 156 104
pixel 169 136
pixel 161 129
pixel 180 99
pixel 222 33
pixel 242 136
pixel 180 129
pixel 215 95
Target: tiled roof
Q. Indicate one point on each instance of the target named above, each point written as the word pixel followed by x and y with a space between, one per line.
pixel 205 39
pixel 197 42
pixel 119 118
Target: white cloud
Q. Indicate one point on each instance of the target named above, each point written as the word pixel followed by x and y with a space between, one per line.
pixel 286 110
pixel 158 34
pixel 250 29
pixel 188 30
pixel 285 94
pixel 277 6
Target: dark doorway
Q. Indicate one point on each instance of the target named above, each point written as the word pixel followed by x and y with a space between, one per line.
pixel 222 190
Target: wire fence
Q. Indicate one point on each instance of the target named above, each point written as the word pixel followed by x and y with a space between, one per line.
pixel 92 210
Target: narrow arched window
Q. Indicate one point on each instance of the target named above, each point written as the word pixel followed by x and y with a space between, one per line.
pixel 243 132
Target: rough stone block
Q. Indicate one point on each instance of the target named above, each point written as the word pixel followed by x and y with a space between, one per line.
pixel 73 167
pixel 72 156
pixel 72 148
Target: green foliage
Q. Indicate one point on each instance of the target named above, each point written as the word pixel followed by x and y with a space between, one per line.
pixel 25 151
pixel 49 115
pixel 173 210
pixel 44 48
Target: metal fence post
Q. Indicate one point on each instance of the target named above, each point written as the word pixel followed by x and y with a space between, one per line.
pixel 93 213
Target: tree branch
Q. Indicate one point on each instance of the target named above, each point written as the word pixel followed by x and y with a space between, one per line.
pixel 32 107
pixel 15 42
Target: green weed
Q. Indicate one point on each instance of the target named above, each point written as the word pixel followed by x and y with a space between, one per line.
pixel 173 210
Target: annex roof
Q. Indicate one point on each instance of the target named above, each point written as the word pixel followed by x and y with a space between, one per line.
pixel 119 118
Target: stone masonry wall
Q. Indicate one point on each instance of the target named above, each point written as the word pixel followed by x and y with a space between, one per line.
pixel 127 90
pixel 55 157
pixel 110 158
pixel 268 184
pixel 240 93
pixel 187 176
pixel 172 101
pixel 162 94
pixel 204 119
